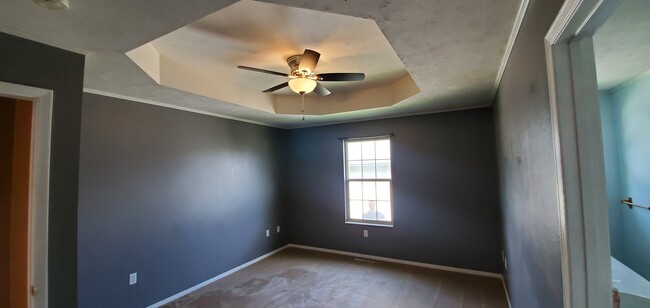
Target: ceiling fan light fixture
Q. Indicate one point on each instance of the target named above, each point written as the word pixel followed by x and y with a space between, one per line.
pixel 302 85
pixel 54 4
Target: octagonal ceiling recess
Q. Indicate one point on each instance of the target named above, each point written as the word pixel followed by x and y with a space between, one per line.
pixel 202 58
pixel 455 51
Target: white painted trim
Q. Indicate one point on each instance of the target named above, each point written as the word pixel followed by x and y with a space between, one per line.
pixel 391 260
pixel 577 142
pixel 172 106
pixel 519 19
pixel 505 289
pixel 394 116
pixel 345 253
pixel 39 184
pixel 215 278
pixel 289 126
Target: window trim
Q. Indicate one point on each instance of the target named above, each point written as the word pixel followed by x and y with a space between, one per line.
pixel 346 180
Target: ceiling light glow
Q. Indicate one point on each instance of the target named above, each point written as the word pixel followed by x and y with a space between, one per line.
pixel 302 85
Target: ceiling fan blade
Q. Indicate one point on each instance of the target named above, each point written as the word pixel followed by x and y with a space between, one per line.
pixel 320 90
pixel 309 60
pixel 278 87
pixel 342 76
pixel 259 70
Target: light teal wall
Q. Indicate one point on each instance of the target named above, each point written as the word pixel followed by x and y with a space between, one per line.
pixel 626 135
pixel 613 179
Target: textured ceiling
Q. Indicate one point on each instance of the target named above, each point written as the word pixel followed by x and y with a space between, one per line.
pixel 622 44
pixel 452 49
pixel 202 58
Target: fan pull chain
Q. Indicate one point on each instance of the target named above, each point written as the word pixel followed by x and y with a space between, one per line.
pixel 302 96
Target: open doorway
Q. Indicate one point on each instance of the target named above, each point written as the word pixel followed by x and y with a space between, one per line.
pixel 15 154
pixel 26 119
pixel 589 203
pixel 622 49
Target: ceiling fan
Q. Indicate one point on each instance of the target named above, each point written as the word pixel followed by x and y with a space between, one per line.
pixel 303 78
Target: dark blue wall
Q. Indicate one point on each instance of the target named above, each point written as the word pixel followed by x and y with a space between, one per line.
pixel 527 167
pixel 445 190
pixel 178 197
pixel 33 64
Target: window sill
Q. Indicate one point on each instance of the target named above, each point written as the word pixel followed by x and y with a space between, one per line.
pixel 369 224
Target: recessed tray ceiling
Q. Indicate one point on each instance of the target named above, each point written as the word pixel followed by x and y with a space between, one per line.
pixel 452 50
pixel 202 58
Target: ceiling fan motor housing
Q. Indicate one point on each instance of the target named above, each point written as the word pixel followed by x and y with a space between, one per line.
pixel 294 65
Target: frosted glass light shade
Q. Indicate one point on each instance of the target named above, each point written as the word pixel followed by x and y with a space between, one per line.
pixel 302 85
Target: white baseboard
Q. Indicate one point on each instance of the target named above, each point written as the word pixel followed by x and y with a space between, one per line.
pixel 213 279
pixel 420 264
pixel 352 254
pixel 505 289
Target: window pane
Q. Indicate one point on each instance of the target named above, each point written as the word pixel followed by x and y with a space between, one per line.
pixel 382 149
pixel 354 169
pixel 383 169
pixel 383 191
pixel 354 191
pixel 356 210
pixel 369 191
pixel 368 173
pixel 370 210
pixel 369 169
pixel 383 211
pixel 354 150
pixel 368 150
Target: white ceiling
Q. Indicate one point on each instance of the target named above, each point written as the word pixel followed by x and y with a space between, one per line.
pixel 202 58
pixel 622 44
pixel 452 49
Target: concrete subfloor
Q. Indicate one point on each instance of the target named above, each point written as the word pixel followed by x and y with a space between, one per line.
pixel 304 278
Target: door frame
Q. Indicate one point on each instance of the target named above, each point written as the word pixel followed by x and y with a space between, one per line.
pixel 39 184
pixel 578 145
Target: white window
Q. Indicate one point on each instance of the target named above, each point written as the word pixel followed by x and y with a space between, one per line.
pixel 368 181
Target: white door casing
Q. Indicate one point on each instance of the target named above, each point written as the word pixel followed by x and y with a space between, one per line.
pixel 584 226
pixel 39 184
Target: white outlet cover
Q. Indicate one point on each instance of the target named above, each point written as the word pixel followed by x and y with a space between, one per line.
pixel 268 233
pixel 365 233
pixel 133 278
pixel 278 229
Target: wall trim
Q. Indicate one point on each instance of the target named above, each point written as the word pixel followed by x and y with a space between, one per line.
pixel 172 106
pixel 215 278
pixel 578 152
pixel 399 261
pixel 523 7
pixel 39 186
pixel 505 289
pixel 339 252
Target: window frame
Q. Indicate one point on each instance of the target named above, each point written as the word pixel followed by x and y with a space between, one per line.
pixel 347 181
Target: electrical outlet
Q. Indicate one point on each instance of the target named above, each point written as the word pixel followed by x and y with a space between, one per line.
pixel 133 278
pixel 365 233
pixel 505 261
pixel 268 233
pixel 278 229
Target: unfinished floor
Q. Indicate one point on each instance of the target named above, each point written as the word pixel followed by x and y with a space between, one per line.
pixel 304 278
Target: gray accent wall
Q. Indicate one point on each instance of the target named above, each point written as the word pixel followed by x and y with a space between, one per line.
pixel 446 206
pixel 177 197
pixel 527 168
pixel 29 63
